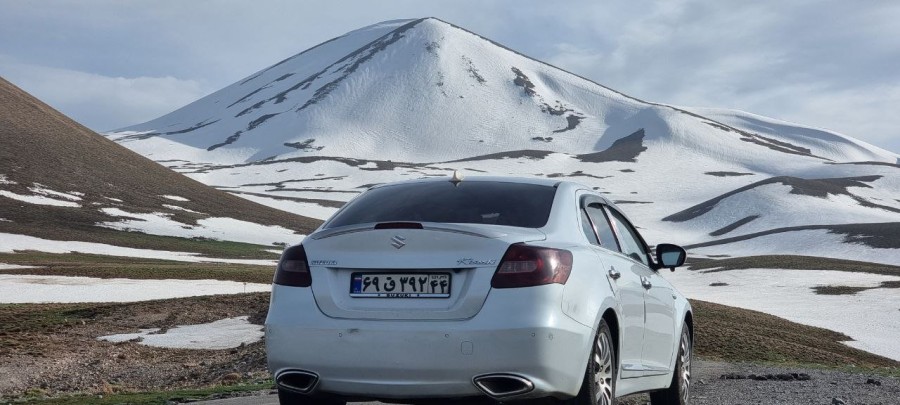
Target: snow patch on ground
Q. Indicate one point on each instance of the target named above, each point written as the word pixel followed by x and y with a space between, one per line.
pixel 42 190
pixel 176 198
pixel 4 180
pixel 28 289
pixel 222 334
pixel 177 208
pixel 306 209
pixel 870 317
pixel 38 199
pixel 5 220
pixel 10 243
pixel 230 229
pixel 5 266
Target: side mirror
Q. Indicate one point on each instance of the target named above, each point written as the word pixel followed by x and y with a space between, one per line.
pixel 669 255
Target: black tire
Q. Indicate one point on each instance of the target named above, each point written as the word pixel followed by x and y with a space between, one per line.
pixel 599 384
pixel 286 397
pixel 679 391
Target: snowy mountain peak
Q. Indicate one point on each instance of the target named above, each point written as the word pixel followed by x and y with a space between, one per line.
pixel 427 90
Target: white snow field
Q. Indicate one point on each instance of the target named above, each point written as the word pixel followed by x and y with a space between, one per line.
pixel 211 228
pixel 222 334
pixel 10 243
pixel 870 317
pixel 22 289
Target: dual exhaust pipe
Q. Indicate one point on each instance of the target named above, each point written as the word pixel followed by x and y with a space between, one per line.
pixel 501 386
pixel 496 386
pixel 299 381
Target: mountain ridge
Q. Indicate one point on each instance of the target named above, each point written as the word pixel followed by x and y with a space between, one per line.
pixel 60 180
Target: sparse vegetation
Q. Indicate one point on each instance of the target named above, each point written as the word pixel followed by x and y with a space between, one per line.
pixel 733 334
pixel 87 265
pixel 849 290
pixel 790 262
pixel 153 397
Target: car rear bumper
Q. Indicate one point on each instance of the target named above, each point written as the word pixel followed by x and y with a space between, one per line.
pixel 516 333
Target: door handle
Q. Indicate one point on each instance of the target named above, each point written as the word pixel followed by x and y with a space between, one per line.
pixel 613 274
pixel 646 283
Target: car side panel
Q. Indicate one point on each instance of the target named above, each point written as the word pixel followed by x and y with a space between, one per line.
pixel 660 327
pixel 630 295
pixel 587 292
pixel 630 386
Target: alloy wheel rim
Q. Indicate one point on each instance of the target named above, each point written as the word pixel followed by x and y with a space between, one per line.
pixel 603 368
pixel 685 367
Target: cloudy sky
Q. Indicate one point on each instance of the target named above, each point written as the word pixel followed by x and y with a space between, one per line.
pixel 832 64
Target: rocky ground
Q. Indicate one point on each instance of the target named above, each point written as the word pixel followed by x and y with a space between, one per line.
pixel 727 383
pixel 50 352
pixel 724 383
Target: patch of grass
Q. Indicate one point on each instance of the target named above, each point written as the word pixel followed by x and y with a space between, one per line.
pixel 791 262
pixel 88 265
pixel 159 397
pixel 838 289
pixel 734 334
pixel 21 324
pixel 848 290
pixel 137 240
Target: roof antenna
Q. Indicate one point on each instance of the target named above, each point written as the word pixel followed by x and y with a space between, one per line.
pixel 457 178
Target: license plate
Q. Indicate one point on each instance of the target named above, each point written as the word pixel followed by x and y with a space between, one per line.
pixel 400 285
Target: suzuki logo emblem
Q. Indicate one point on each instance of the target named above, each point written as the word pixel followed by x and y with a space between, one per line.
pixel 398 241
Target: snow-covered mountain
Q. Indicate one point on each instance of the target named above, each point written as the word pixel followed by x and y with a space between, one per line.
pixel 412 98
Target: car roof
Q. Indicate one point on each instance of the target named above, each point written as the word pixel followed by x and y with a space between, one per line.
pixel 496 179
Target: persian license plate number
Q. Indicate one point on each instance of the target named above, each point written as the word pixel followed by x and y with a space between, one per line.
pixel 400 285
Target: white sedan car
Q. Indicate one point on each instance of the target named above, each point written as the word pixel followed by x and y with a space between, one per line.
pixel 490 288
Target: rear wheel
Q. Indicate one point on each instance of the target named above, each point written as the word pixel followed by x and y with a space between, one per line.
pixel 286 397
pixel 599 385
pixel 679 391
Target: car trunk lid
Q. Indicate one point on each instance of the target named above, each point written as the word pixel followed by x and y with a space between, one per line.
pixel 348 263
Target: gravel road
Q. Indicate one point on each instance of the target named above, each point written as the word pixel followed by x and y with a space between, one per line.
pixel 748 384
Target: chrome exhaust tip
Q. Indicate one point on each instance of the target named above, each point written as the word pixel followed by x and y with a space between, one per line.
pixel 298 381
pixel 499 386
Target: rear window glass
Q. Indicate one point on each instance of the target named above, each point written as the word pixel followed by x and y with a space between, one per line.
pixel 474 202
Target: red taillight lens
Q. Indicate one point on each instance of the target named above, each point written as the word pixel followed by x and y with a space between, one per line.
pixel 526 266
pixel 293 268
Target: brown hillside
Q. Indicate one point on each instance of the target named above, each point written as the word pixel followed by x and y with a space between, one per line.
pixel 39 145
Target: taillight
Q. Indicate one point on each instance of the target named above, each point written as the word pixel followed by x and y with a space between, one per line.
pixel 293 268
pixel 526 266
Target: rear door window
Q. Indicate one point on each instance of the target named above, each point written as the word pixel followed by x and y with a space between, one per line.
pixel 474 202
pixel 601 225
pixel 588 229
pixel 631 242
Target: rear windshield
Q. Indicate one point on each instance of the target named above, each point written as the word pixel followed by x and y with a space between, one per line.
pixel 474 202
